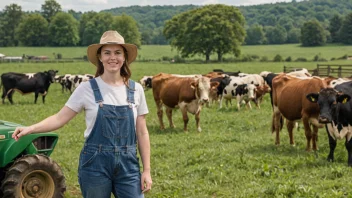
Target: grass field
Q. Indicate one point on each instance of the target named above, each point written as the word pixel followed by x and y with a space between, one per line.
pixel 233 156
pixel 156 52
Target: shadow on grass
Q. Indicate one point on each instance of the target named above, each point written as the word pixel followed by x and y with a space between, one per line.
pixel 283 150
pixel 155 129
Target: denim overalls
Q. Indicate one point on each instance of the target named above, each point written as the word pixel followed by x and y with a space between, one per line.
pixel 108 161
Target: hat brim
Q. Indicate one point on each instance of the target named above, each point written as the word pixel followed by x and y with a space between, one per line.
pixel 93 49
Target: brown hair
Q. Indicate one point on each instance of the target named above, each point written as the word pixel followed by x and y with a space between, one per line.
pixel 125 71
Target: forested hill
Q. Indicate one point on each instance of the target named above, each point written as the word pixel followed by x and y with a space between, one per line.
pixel 151 19
pixel 289 15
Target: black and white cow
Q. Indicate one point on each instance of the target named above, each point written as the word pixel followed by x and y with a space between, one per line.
pixel 336 112
pixel 244 92
pixel 38 83
pixel 223 82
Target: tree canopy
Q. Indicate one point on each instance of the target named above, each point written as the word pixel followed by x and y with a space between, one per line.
pixel 29 36
pixel 50 8
pixel 346 30
pixel 210 29
pixel 312 34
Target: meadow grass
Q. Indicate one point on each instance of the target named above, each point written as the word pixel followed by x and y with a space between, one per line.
pixel 157 52
pixel 233 156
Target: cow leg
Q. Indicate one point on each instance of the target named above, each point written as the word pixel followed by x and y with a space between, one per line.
pixel 159 107
pixel 169 117
pixel 185 118
pixel 308 132
pixel 248 103
pixel 36 94
pixel 332 144
pixel 348 145
pixel 276 124
pixel 3 95
pixel 63 87
pixel 197 116
pixel 44 99
pixel 220 103
pixel 290 125
pixel 9 96
pixel 315 138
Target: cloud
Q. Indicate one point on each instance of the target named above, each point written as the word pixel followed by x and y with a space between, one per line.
pixel 210 2
pixel 94 1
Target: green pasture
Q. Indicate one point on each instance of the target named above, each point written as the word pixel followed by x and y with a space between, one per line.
pixel 233 156
pixel 157 52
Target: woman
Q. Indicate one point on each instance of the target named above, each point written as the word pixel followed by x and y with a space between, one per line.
pixel 115 109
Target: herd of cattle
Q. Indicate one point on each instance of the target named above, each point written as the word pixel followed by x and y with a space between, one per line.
pixel 295 96
pixel 38 83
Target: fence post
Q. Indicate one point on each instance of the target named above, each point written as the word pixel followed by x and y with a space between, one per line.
pixel 284 68
pixel 339 73
pixel 328 70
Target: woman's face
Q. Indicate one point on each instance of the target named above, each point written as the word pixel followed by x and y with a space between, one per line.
pixel 112 56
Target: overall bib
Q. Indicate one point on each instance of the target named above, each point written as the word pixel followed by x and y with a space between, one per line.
pixel 108 162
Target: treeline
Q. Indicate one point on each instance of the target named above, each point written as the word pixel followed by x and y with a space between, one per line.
pixel 53 27
pixel 277 23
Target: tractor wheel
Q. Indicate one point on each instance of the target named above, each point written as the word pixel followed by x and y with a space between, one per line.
pixel 34 176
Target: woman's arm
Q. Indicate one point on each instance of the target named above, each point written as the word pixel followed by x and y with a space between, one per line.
pixel 48 124
pixel 144 151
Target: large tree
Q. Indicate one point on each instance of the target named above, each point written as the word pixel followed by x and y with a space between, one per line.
pixel 334 28
pixel 206 30
pixel 33 30
pixel 50 8
pixel 312 34
pixel 11 17
pixel 63 30
pixel 346 30
pixel 128 28
pixel 93 25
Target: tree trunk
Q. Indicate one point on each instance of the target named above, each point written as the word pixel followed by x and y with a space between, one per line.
pixel 207 57
pixel 219 57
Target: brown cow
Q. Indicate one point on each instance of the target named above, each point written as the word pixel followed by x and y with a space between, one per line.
pixel 289 100
pixel 260 91
pixel 186 93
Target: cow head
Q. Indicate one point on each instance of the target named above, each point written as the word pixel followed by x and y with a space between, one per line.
pixel 51 75
pixel 146 82
pixel 327 100
pixel 203 87
pixel 251 90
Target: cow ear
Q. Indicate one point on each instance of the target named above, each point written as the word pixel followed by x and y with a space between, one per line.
pixel 193 84
pixel 343 98
pixel 214 85
pixel 313 97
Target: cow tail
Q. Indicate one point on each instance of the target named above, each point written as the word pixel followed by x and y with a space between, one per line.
pixel 273 124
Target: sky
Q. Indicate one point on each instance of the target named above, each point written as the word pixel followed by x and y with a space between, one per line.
pixel 98 5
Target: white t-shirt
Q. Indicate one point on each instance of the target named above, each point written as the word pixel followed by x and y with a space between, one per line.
pixel 83 98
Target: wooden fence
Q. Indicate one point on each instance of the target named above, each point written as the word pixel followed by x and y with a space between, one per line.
pixel 333 70
pixel 324 70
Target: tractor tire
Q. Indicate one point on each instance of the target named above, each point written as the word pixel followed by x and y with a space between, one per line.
pixel 34 176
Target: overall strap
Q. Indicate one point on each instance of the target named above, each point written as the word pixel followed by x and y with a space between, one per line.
pixel 97 94
pixel 130 89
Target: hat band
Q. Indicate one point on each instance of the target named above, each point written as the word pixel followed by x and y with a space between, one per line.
pixel 112 42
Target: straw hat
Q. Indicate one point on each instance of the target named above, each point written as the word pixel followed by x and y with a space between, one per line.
pixel 111 37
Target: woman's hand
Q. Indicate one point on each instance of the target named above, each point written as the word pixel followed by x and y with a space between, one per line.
pixel 21 131
pixel 146 181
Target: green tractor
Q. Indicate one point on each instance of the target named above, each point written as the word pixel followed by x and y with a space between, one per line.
pixel 26 170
